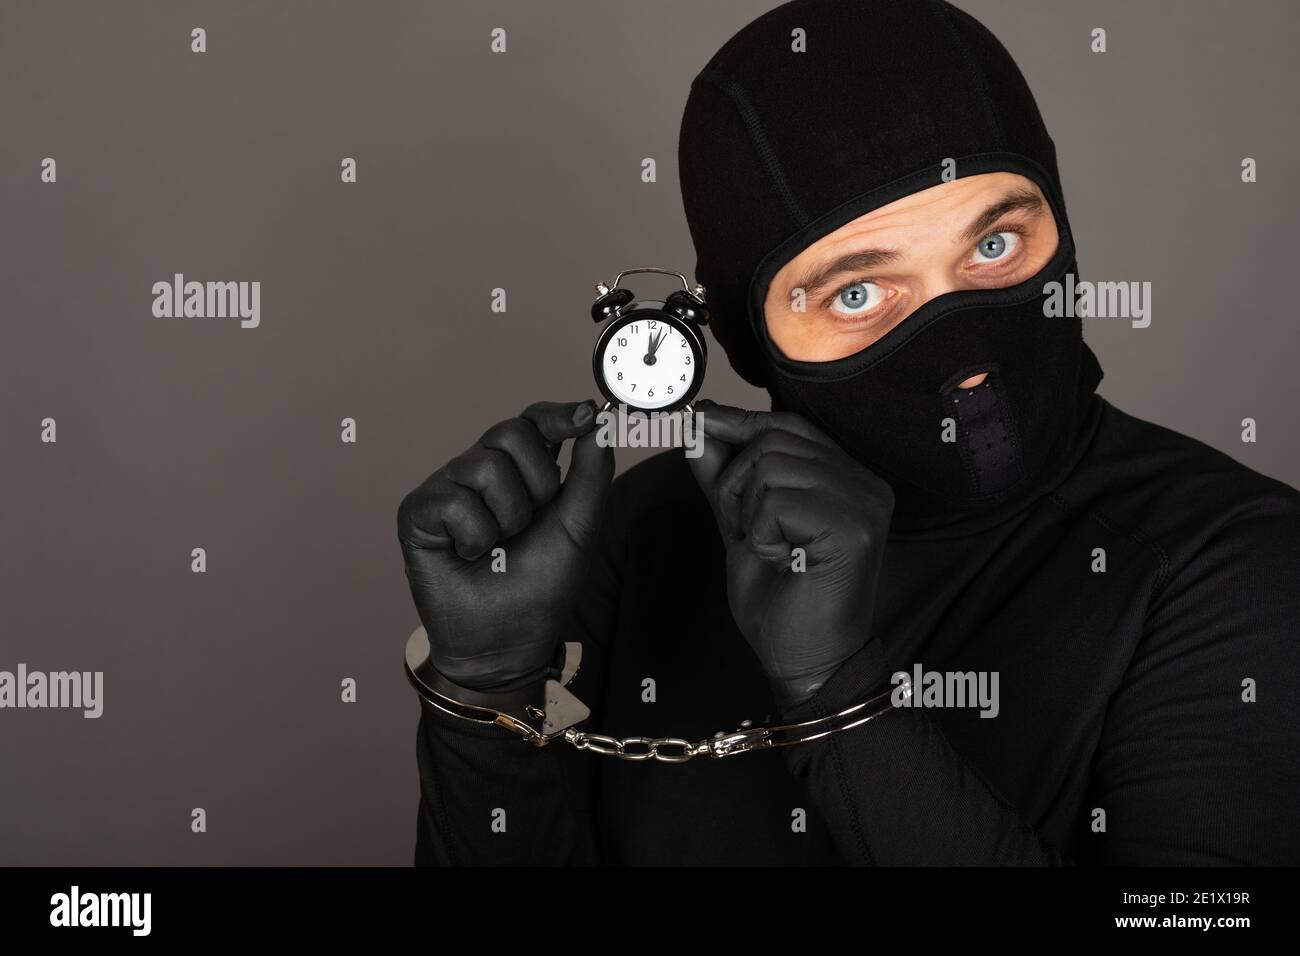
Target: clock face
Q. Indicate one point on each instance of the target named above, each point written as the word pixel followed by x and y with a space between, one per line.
pixel 647 363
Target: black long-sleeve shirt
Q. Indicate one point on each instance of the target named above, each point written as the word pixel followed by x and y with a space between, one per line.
pixel 1148 713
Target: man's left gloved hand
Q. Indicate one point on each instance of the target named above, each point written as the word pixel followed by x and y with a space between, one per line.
pixel 776 483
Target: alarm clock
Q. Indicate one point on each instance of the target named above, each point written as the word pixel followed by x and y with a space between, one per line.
pixel 650 354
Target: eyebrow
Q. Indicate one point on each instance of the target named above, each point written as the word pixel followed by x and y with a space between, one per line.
pixel 863 261
pixel 1017 200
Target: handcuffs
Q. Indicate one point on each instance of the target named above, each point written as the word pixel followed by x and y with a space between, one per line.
pixel 546 710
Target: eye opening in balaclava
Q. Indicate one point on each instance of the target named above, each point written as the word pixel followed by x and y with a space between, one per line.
pixel 929 311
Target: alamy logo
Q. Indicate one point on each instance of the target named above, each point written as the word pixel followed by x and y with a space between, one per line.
pixel 179 299
pixel 947 689
pixel 72 689
pixel 75 908
pixel 1098 300
pixel 619 428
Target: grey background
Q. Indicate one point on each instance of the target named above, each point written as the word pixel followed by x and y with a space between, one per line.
pixel 475 171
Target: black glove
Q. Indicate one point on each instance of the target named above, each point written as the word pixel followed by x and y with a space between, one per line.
pixel 488 629
pixel 775 482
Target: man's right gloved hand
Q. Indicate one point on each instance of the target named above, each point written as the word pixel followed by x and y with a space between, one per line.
pixel 489 628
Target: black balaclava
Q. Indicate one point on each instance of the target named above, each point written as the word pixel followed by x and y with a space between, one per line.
pixel 779 148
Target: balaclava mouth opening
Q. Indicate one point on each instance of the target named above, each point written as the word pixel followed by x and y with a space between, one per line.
pixel 779 148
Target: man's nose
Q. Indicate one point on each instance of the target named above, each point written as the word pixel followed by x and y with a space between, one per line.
pixel 935 286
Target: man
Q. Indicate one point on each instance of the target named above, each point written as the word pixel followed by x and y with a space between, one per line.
pixel 938 488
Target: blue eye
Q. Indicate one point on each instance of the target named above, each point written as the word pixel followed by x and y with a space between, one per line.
pixel 857 298
pixel 995 246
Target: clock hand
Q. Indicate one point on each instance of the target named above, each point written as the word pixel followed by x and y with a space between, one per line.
pixel 652 346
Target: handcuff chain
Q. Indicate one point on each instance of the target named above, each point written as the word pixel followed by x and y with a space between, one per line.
pixel 614 747
pixel 746 738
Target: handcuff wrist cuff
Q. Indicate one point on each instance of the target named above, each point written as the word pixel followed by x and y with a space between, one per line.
pixel 546 710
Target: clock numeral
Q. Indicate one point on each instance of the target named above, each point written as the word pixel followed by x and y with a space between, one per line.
pixel 682 379
pixel 613 358
pixel 620 376
pixel 653 324
pixel 670 389
pixel 651 393
pixel 687 360
pixel 622 341
pixel 634 386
